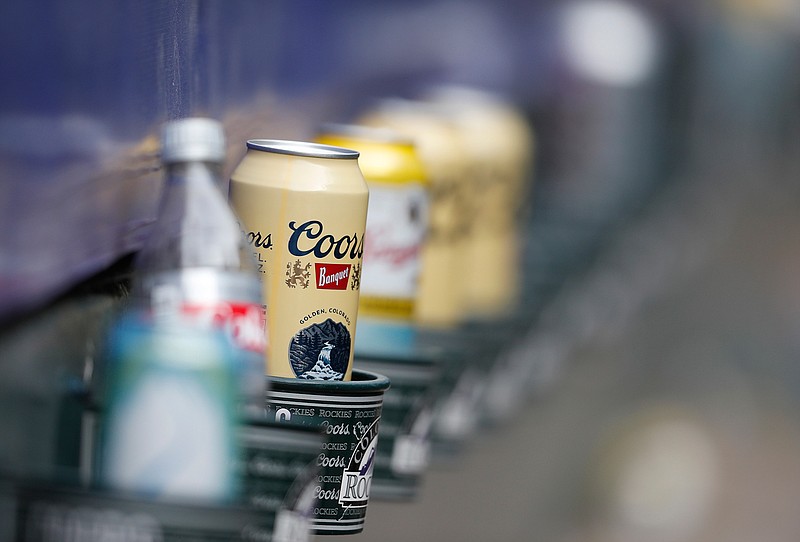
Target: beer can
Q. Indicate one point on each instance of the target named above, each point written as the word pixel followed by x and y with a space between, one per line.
pixel 396 227
pixel 440 291
pixel 303 207
pixel 499 146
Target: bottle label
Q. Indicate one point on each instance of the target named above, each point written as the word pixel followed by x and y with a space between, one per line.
pixel 168 428
pixel 242 322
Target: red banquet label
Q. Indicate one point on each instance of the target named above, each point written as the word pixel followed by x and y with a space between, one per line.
pixel 332 276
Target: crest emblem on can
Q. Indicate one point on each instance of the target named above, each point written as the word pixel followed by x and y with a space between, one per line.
pixel 298 275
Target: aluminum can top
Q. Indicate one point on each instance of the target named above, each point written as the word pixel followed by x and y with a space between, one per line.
pixel 301 148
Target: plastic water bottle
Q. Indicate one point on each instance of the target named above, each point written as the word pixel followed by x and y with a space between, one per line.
pixel 186 361
pixel 197 266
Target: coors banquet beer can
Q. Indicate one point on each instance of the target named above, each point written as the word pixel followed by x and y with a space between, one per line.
pixel 303 207
pixel 396 227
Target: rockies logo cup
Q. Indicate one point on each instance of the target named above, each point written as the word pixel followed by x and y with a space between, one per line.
pixel 348 413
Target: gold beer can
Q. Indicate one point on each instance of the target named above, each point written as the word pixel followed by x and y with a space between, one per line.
pixel 499 146
pixel 441 297
pixel 303 207
pixel 396 228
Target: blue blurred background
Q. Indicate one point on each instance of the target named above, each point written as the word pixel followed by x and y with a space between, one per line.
pixel 660 262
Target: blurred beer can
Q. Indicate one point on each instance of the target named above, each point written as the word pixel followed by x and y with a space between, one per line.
pixel 396 228
pixel 303 207
pixel 499 149
pixel 440 300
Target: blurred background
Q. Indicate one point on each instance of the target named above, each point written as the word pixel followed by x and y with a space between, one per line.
pixel 659 302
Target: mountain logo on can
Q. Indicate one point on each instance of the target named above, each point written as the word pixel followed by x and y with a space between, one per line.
pixel 320 351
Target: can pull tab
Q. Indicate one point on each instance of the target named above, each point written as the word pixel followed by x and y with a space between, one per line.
pixel 283 415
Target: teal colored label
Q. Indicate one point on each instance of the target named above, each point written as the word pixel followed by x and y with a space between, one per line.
pixel 170 416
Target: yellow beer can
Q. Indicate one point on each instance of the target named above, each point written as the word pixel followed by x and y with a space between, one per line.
pixel 303 207
pixel 499 146
pixel 396 227
pixel 440 299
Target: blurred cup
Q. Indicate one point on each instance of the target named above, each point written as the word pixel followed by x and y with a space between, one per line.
pixel 279 473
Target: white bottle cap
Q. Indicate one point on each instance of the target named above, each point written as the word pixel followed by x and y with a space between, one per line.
pixel 192 139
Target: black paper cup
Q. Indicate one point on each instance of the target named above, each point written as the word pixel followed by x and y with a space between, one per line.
pixel 279 473
pixel 42 511
pixel 348 413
